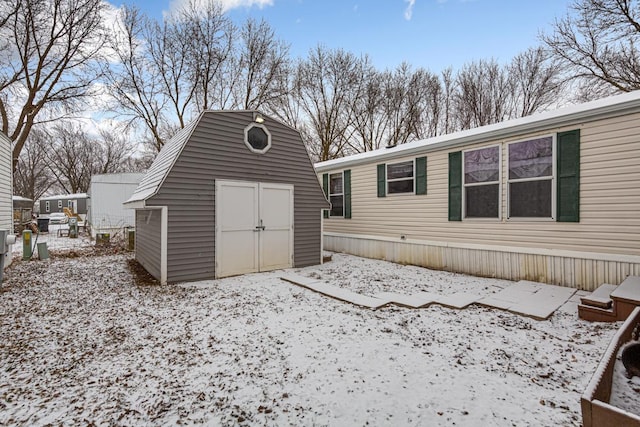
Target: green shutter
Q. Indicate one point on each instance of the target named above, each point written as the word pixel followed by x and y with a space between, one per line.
pixel 421 175
pixel 347 193
pixel 325 188
pixel 568 170
pixel 382 180
pixel 455 186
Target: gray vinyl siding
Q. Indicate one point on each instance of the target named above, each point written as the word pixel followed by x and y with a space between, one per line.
pixel 216 150
pixel 6 184
pixel 148 245
pixel 53 205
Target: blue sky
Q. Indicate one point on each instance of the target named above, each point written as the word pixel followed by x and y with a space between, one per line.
pixel 425 33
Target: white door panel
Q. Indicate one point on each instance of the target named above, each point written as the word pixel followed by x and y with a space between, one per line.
pixel 276 239
pixel 236 237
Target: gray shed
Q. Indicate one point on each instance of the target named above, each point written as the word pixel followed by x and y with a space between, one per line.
pixel 234 192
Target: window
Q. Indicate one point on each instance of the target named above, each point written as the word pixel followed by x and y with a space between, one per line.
pixel 531 190
pixel 47 206
pixel 257 138
pixel 336 194
pixel 400 177
pixel 69 203
pixel 59 204
pixel 481 179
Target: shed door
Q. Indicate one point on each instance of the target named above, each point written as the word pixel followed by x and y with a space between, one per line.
pixel 254 224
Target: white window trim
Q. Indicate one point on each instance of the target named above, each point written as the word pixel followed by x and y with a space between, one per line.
pixel 464 186
pixel 246 137
pixel 59 204
pixel 336 194
pixel 387 180
pixel 553 182
pixel 47 206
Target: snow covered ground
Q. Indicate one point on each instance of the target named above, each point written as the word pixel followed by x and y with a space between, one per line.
pixel 82 341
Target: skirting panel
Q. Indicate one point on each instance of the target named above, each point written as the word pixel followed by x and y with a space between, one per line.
pixel 581 273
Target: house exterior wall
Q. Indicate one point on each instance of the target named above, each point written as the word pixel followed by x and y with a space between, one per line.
pixel 216 150
pixel 148 239
pixel 6 189
pixel 108 192
pixel 53 204
pixel 603 246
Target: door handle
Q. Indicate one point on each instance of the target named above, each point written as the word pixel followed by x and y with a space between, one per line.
pixel 259 227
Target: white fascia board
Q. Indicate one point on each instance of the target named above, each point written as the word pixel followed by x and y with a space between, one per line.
pixel 613 106
pixel 137 204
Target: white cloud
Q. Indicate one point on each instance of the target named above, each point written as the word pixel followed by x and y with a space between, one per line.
pixel 226 4
pixel 408 12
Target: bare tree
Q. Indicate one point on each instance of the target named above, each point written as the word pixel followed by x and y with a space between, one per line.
pixel 263 60
pixel 537 82
pixel 32 178
pixel 405 96
pixel 114 151
pixel 485 94
pixel 597 42
pixel 329 82
pixel 370 122
pixel 133 80
pixel 48 61
pixel 75 157
pixel 210 34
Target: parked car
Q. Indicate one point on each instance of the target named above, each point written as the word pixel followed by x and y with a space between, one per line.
pixel 57 218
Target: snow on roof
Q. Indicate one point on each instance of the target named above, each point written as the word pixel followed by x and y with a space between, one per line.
pixel 66 196
pixel 162 164
pixel 535 122
pixel 20 199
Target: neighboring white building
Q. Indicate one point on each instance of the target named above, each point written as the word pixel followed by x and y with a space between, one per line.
pixel 6 189
pixel 107 193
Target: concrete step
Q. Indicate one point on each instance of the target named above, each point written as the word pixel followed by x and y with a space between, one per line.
pixel 596 314
pixel 600 298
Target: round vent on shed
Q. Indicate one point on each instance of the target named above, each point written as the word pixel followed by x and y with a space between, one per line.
pixel 257 138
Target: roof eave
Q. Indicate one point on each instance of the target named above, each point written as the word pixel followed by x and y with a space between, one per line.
pixel 135 204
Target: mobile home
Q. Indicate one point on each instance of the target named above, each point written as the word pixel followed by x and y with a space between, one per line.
pixel 552 197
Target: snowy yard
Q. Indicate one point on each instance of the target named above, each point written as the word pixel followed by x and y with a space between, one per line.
pixel 82 340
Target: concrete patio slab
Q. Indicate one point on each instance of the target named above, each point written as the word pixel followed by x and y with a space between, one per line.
pixel 335 292
pixel 412 301
pixel 458 300
pixel 532 299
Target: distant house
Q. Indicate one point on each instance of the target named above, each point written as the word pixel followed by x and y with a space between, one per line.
pixel 233 192
pixel 107 193
pixel 553 197
pixel 22 213
pixel 6 190
pixel 77 202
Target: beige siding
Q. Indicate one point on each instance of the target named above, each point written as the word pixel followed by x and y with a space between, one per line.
pixel 609 200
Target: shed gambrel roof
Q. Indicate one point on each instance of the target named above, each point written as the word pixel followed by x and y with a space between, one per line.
pixel 602 108
pixel 152 180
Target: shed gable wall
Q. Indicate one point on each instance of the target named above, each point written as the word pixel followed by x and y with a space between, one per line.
pixel 216 150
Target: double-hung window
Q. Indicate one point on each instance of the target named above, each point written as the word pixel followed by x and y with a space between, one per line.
pixel 59 204
pixel 336 194
pixel 531 190
pixel 481 179
pixel 400 177
pixel 47 206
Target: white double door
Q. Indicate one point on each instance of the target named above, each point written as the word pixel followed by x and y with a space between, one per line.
pixel 254 227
